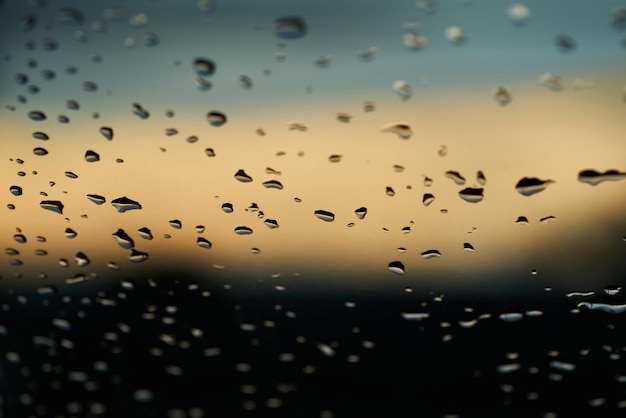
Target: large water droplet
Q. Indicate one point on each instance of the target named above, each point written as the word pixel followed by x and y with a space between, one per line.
pixel 15 190
pixel 52 205
pixel 242 176
pixel 20 238
pixel 403 130
pixel 431 254
pixel 612 290
pixel 325 215
pixel 243 230
pixel 123 204
pixel 613 308
pixel 216 118
pixel 528 186
pixel 227 207
pixel 273 184
pixel 203 67
pixel 97 199
pixel 203 243
pixel 468 247
pixel 123 239
pixel 471 195
pixel 594 177
pixel 290 27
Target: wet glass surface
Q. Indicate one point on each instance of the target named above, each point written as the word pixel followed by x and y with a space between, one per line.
pixel 312 209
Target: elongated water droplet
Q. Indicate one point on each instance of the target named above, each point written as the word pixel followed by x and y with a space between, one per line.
pixel 612 290
pixel 216 118
pixel 176 224
pixel 614 308
pixel 123 204
pixel 361 212
pixel 471 195
pixel 97 199
pixel 203 243
pixel 594 177
pixel 107 132
pixel 71 175
pixel 324 215
pixel 242 176
pixel 70 233
pixel 145 233
pixel 271 223
pixel 40 151
pixel 431 254
pixel 396 267
pixel 92 156
pixel 123 239
pixel 52 205
pixel 137 256
pixel 290 27
pixel 455 177
pixel 243 230
pixel 528 186
pixel 511 316
pixel 335 158
pixel 547 219
pixel 403 130
pixel 415 316
pixel 273 184
pixel 72 105
pixel 41 136
pixel 427 199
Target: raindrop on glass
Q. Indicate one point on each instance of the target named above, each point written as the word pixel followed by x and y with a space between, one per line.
pixel 324 215
pixel 528 186
pixel 52 205
pixel 123 204
pixel 242 176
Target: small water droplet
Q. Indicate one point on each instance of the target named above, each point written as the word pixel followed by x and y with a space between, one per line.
pixel 415 316
pixel 20 238
pixel 368 53
pixel 272 184
pixel 52 205
pixel 455 177
pixel 227 207
pixel 511 316
pixel 472 195
pixel 456 35
pixel 528 186
pixel 361 212
pixel 176 223
pixel 243 230
pixel 396 267
pixel 137 256
pixel 41 136
pixel 123 204
pixel 427 199
pixel 480 178
pixel 139 111
pixel 70 16
pixel 552 81
pixel 81 259
pixel 565 43
pixel 216 118
pixel 203 243
pixel 547 219
pixel 150 39
pixel 97 199
pixel 335 158
pixel 403 89
pixel 324 215
pixel 242 176
pixel 290 27
pixel 431 254
pixel 92 156
pixel 36 115
pixel 468 247
pixel 518 13
pixel 502 95
pixel 414 41
pixel 123 239
pixel 70 233
pixel 522 220
pixel 145 233
pixel 203 67
pixel 271 223
pixel 389 191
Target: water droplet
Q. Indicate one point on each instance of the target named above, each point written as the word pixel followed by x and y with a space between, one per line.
pixel 145 233
pixel 92 156
pixel 325 215
pixel 46 290
pixel 49 44
pixel 502 96
pixel 123 204
pixel 565 43
pixel 594 177
pixel 36 115
pixel 528 186
pixel 242 176
pixel 203 67
pixel 297 126
pixel 396 267
pixel 618 18
pixel 361 212
pixel 123 239
pixel 612 290
pixel 290 27
pixel 210 152
pixel 456 177
pixel 40 151
pixel 511 316
pixel 97 199
pixel 143 396
pixel 243 230
pixel 271 223
pixel 227 207
pixel 81 259
pixel 415 316
pixel 216 118
pixel 468 247
pixel 150 39
pixel 427 199
pixel 369 107
pixel 245 81
pixel 456 35
pixel 326 349
pixel 107 132
pixel 471 195
pixel 176 224
pixel 547 219
pixel 137 256
pixel 480 178
pixel 552 81
pixel 70 233
pixel 140 111
pixel 52 205
pixel 431 254
pixel 414 41
pixel 273 184
pixel 403 89
pixel 389 191
pixel 519 13
pixel 406 229
pixel 70 16
pixel 72 105
pixel 522 220
pixel 203 243
pixel 20 238
pixel 41 136
pixel 368 53
pixel 89 86
pixel 15 190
